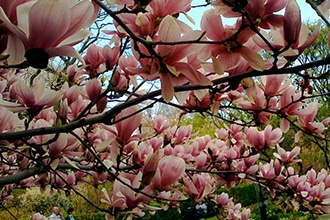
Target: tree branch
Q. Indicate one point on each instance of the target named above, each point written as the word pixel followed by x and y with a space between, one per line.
pixel 107 117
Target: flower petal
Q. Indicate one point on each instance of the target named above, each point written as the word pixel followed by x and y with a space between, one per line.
pixel 253 58
pixel 49 20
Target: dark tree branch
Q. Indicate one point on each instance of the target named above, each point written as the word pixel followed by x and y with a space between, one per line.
pixel 108 116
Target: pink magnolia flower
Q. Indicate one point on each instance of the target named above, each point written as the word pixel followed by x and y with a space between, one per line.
pixel 306 119
pixel 262 139
pixel 94 90
pixel 123 196
pixel 162 8
pixel 289 106
pixel 261 12
pixel 142 24
pixel 179 65
pixel 111 54
pixel 278 41
pixel 159 124
pixel 292 23
pixel 178 71
pixel 37 97
pixel 150 168
pixel 65 145
pixel 201 160
pixel 199 186
pixel 248 165
pixel 273 85
pixel 271 173
pixel 8 120
pixel 287 156
pixel 194 101
pixel 170 169
pixel 94 60
pixel 223 199
pixel 119 81
pixel 229 53
pixel 257 102
pixel 126 126
pixel 48 28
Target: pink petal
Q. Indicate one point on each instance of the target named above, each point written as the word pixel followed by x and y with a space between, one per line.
pixel 16 50
pixel 126 127
pixel 49 98
pixel 212 25
pixel 285 125
pixel 65 51
pixel 169 31
pixel 167 87
pixel 49 20
pixel 253 58
pixel 82 15
pixel 93 90
pixel 194 76
pixel 172 168
pixel 292 22
pixel 24 93
pixel 13 28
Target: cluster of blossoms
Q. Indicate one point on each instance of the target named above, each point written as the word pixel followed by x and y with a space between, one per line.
pixel 59 136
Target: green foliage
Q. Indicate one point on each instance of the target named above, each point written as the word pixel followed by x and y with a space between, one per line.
pixel 201 124
pixel 245 194
pixel 275 213
pixel 95 216
pixel 34 201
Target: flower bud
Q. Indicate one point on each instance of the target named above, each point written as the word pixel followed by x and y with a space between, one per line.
pixel 292 23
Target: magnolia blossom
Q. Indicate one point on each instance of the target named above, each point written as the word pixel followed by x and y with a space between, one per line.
pixel 306 119
pixel 47 28
pixel 287 157
pixel 179 65
pixel 199 187
pixel 228 53
pixel 36 98
pixel 169 170
pixel 126 126
pixel 262 139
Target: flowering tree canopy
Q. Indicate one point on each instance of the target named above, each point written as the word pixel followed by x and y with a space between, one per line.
pixel 76 76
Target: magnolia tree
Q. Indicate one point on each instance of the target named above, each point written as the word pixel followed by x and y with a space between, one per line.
pixel 71 115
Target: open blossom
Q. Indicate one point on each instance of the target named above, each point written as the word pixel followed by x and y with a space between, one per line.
pixel 263 139
pixel 47 28
pixel 278 41
pixel 231 52
pixel 8 120
pixel 123 196
pixel 179 65
pixel 126 127
pixel 94 60
pixel 162 8
pixel 35 98
pixel 261 12
pixel 287 156
pixel 306 119
pixel 199 187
